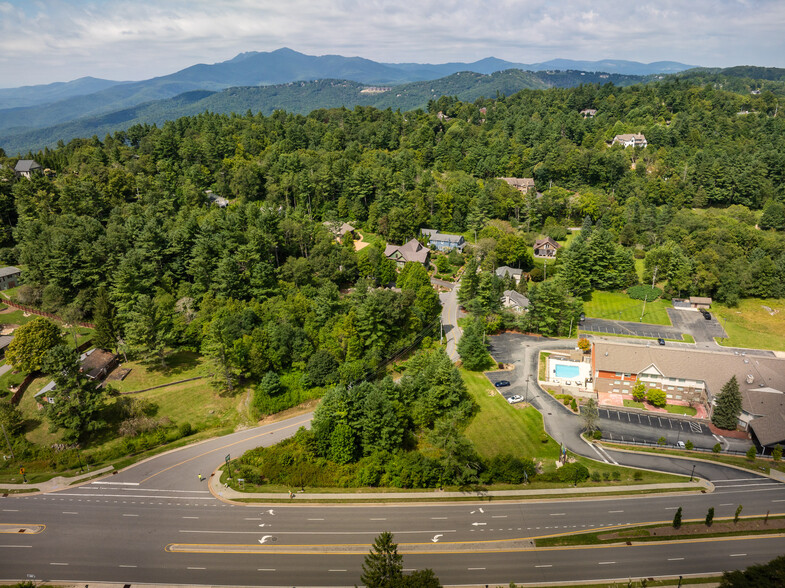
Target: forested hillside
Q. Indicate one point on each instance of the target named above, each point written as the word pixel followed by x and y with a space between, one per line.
pixel 124 233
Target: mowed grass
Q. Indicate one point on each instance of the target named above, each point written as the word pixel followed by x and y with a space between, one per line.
pixel 146 374
pixel 500 428
pixel 752 326
pixel 618 306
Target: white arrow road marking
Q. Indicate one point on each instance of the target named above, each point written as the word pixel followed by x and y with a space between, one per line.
pixel 475 524
pixel 262 525
pixel 270 512
pixel 265 538
pixel 436 538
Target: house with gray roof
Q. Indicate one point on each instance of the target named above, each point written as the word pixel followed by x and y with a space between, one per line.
pixel 25 168
pixel 630 140
pixel 339 229
pixel 515 301
pixel 698 375
pixel 513 272
pixel 521 184
pixel 412 250
pixel 443 241
pixel 9 277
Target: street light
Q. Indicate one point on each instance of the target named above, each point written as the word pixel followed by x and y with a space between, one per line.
pixel 693 472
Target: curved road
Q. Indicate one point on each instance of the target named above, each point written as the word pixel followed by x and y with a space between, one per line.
pixel 156 522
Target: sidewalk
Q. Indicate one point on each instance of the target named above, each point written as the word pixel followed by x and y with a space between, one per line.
pixel 57 483
pixel 229 494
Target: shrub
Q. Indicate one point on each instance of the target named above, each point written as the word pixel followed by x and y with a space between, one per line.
pixel 661 441
pixel 689 444
pixel 595 476
pixel 644 293
pixel 751 453
pixel 616 475
pixel 656 397
pixel 606 476
pixel 776 453
pixel 710 516
pixel 639 392
pixel 597 434
pixel 544 438
pixel 677 519
pixel 574 405
pixel 717 448
pixel 186 429
pixel 638 475
pixel 573 472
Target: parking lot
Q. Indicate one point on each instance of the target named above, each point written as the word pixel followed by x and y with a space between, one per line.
pixel 628 328
pixel 621 425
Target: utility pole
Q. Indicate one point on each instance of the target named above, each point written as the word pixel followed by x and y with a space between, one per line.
pixel 441 331
pixel 10 447
pixel 545 270
pixel 645 300
pixel 654 276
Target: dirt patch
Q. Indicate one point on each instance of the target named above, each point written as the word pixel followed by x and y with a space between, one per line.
pixel 689 530
pixel 731 434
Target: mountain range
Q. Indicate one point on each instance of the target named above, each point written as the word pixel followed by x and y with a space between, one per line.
pixel 34 116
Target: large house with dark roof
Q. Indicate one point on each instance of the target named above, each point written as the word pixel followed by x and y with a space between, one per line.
pixel 546 247
pixel 695 375
pixel 412 250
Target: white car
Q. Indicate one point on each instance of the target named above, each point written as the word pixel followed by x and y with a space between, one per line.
pixel 514 399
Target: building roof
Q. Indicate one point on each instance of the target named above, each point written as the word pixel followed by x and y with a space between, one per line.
pixel 546 241
pixel 435 235
pixel 508 271
pixel 48 388
pixel 522 184
pixel 26 165
pixel 9 271
pixel 5 340
pixel 412 250
pixel 95 360
pixel 339 231
pixel 629 137
pixel 700 300
pixel 761 378
pixel 517 298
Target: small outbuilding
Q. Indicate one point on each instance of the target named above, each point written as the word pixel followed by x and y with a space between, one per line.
pixel 9 277
pixel 25 168
pixel 700 302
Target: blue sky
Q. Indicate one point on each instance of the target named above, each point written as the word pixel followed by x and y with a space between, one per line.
pixel 44 41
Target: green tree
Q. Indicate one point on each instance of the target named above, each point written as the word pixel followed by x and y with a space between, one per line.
pixel 78 400
pixel 590 415
pixel 383 566
pixel 727 406
pixel 150 327
pixel 751 453
pixel 31 343
pixel 656 397
pixel 639 391
pixel 105 333
pixel 776 453
pixel 473 352
pixel 737 513
pixel 677 519
pixel 553 311
pixel 770 574
pixel 710 516
pixel 469 282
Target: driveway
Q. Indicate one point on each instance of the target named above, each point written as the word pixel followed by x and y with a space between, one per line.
pixel 692 322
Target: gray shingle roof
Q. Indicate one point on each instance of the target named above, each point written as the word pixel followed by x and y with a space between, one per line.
pixel 9 271
pixel 26 165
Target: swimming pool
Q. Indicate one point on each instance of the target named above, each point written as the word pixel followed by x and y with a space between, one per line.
pixel 566 371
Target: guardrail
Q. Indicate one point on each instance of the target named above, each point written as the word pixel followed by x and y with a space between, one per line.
pixel 673 446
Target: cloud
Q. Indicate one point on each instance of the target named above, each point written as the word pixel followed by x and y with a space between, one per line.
pixel 48 40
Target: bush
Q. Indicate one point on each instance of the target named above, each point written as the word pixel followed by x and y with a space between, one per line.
pixel 638 475
pixel 776 453
pixel 656 397
pixel 186 429
pixel 544 438
pixel 751 453
pixel 597 434
pixel 595 476
pixel 710 516
pixel 717 448
pixel 606 476
pixel 574 405
pixel 661 441
pixel 616 475
pixel 573 472
pixel 689 444
pixel 644 293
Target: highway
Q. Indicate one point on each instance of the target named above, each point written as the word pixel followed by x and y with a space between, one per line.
pixel 157 523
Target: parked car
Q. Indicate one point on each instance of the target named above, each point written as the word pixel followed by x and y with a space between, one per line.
pixel 501 383
pixel 706 314
pixel 680 444
pixel 661 341
pixel 514 399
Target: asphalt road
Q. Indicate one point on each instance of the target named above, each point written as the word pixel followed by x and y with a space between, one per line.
pixel 157 523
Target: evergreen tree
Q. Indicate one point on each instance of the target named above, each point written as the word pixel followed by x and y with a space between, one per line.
pixel 727 406
pixel 677 519
pixel 105 334
pixel 474 353
pixel 469 282
pixel 383 566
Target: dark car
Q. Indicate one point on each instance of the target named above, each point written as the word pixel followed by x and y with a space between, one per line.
pixel 661 341
pixel 706 314
pixel 501 383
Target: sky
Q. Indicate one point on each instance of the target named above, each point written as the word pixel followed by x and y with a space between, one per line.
pixel 44 41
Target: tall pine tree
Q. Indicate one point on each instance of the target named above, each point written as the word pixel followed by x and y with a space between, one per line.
pixel 727 406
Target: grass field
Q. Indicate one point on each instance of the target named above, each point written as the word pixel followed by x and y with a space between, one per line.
pixel 146 374
pixel 620 307
pixel 752 326
pixel 501 428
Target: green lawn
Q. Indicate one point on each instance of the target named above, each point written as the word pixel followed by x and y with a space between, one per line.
pixel 752 326
pixel 501 428
pixel 671 408
pixel 633 404
pixel 15 317
pixel 619 306
pixel 146 374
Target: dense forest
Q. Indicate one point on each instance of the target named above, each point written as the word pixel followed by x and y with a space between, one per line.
pixel 123 232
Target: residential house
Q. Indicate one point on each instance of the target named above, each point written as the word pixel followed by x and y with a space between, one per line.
pixel 4 341
pixel 513 272
pixel 588 112
pixel 9 277
pixel 410 251
pixel 214 198
pixel 700 302
pixel 698 376
pixel 522 184
pixel 339 230
pixel 96 364
pixel 546 247
pixel 25 168
pixel 515 301
pixel 443 241
pixel 630 140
